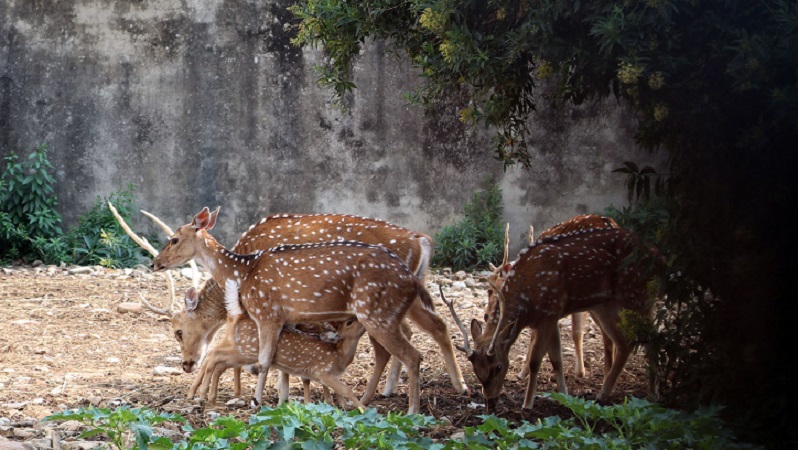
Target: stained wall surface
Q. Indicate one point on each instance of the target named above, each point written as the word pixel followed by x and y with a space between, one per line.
pixel 206 102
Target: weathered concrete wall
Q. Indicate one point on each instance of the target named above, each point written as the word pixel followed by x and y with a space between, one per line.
pixel 206 102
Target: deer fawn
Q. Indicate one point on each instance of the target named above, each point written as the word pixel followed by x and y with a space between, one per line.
pixel 554 277
pixel 315 283
pixel 299 353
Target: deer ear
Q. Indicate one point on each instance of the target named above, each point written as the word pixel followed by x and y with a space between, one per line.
pixel 192 299
pixel 476 328
pixel 212 219
pixel 202 219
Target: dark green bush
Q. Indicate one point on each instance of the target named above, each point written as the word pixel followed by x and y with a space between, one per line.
pixel 100 240
pixel 478 238
pixel 28 218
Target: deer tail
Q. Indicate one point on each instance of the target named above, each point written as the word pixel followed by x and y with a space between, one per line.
pixel 423 294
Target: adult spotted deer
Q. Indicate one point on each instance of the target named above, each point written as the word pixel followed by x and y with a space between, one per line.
pixel 306 355
pixel 316 283
pixel 577 223
pixel 556 276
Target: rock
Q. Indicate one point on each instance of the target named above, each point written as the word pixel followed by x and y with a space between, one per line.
pixel 235 402
pixel 12 445
pixel 39 444
pixel 37 263
pixel 173 359
pixel 16 405
pixel 457 435
pixel 80 270
pixel 24 433
pixel 94 400
pixel 460 275
pixel 112 360
pixel 162 370
pixel 81 445
pixel 458 285
pixel 469 282
pixel 130 307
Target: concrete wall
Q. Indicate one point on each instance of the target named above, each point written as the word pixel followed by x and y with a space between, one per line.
pixel 206 102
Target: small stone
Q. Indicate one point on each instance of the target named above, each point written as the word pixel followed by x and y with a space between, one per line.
pixel 94 400
pixel 79 270
pixel 458 435
pixel 112 360
pixel 16 405
pixel 130 307
pixel 173 359
pixel 459 285
pixel 24 433
pixel 162 370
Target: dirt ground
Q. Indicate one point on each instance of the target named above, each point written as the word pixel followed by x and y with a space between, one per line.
pixel 63 344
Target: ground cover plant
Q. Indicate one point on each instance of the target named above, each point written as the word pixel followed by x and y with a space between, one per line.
pixel 633 424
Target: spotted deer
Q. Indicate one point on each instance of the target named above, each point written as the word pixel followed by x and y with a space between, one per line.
pixel 317 283
pixel 196 325
pixel 306 355
pixel 552 278
pixel 577 223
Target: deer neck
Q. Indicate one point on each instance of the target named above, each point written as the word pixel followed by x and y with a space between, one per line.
pixel 345 349
pixel 211 306
pixel 225 265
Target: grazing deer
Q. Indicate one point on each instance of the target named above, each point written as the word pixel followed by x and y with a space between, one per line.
pixel 299 353
pixel 315 283
pixel 578 223
pixel 555 277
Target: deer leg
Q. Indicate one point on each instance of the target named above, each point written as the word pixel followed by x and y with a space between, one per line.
pixel 608 318
pixel 543 336
pixel 391 337
pixel 198 378
pixel 282 387
pixel 306 390
pixel 217 373
pixel 381 357
pixel 578 332
pixel 432 323
pixel 555 355
pixel 237 382
pixel 341 390
pixel 396 366
pixel 525 369
pixel 268 335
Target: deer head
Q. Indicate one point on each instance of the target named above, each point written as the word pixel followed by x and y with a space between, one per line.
pixel 185 243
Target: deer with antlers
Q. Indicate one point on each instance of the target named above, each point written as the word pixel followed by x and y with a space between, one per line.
pixel 313 283
pixel 577 223
pixel 554 277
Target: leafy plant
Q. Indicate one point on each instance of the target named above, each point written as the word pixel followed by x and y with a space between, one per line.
pixel 28 218
pixel 478 238
pixel 122 426
pixel 632 425
pixel 100 240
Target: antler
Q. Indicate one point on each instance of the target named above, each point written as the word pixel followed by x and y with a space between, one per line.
pixel 152 308
pixel 466 348
pixel 145 244
pixel 492 346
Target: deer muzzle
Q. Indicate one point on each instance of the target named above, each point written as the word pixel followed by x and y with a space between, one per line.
pixel 188 366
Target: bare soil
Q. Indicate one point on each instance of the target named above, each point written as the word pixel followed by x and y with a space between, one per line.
pixel 63 344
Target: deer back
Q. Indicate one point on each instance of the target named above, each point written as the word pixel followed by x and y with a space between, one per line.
pixel 412 247
pixel 328 281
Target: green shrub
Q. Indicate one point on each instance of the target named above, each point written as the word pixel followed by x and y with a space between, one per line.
pixel 28 218
pixel 100 240
pixel 478 238
pixel 634 424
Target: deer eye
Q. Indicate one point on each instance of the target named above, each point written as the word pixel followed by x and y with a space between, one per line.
pixel 173 241
pixel 497 370
pixel 179 335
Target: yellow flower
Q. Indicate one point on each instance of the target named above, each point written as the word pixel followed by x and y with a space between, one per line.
pixel 656 80
pixel 447 50
pixel 544 70
pixel 660 112
pixel 433 21
pixel 628 73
